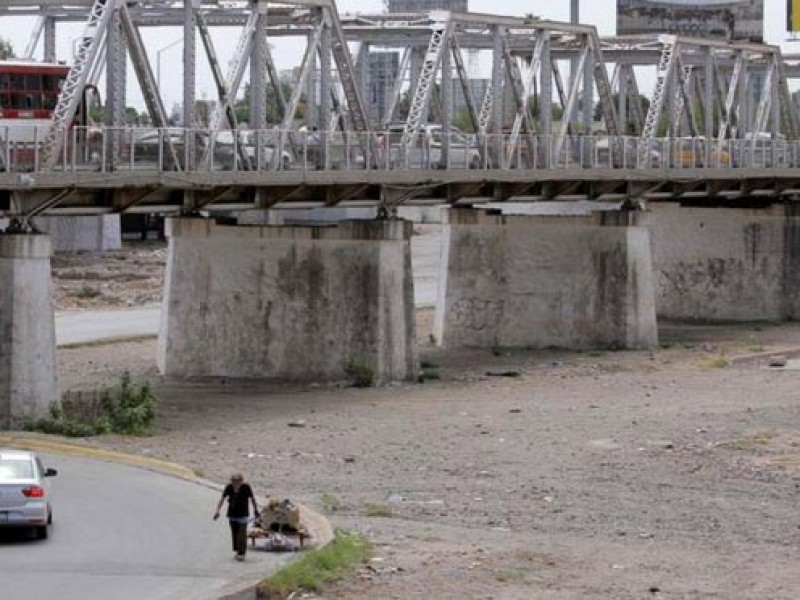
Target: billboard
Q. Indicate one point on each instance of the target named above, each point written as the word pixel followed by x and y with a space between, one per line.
pixel 792 15
pixel 727 19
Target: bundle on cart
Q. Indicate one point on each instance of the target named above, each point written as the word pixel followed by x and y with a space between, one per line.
pixel 279 528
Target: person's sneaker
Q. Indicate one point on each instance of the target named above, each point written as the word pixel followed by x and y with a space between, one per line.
pixel 240 557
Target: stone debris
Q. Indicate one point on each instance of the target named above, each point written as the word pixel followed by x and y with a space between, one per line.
pixel 778 362
pixel 297 423
pixel 503 373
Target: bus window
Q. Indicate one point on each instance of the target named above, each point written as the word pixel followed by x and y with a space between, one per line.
pixel 5 101
pixel 50 101
pixel 33 101
pixel 4 81
pixel 52 83
pixel 17 83
pixel 33 83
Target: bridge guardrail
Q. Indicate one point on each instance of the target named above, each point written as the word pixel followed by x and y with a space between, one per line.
pixel 143 149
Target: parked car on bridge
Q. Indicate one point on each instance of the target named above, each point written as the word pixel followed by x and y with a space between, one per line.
pixel 425 149
pixel 687 153
pixel 227 154
pixel 25 492
pixel 762 149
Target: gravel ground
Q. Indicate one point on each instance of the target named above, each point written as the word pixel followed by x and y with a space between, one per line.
pixel 667 474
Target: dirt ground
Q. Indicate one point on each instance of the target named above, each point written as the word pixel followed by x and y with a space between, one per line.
pixel 133 276
pixel 665 474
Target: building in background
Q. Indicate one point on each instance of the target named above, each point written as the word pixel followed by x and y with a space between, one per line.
pixel 384 67
pixel 793 16
pixel 418 6
pixel 727 19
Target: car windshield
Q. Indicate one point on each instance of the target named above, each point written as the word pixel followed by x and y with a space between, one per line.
pixel 15 469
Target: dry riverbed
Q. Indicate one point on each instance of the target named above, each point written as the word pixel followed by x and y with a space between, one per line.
pixel 666 474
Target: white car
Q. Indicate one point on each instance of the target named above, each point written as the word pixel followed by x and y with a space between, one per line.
pixel 248 140
pixel 425 149
pixel 25 492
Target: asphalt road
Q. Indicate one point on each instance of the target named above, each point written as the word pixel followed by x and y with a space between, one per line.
pixel 80 327
pixel 127 534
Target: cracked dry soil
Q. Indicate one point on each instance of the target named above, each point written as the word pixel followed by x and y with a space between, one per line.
pixel 619 475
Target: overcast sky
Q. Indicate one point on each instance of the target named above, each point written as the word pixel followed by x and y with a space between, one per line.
pixel 288 53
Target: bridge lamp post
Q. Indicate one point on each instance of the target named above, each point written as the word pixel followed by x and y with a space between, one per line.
pixel 158 60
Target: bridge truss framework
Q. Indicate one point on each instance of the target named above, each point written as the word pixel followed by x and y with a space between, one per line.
pixel 707 94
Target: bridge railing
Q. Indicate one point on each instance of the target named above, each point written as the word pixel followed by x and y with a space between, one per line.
pixel 143 149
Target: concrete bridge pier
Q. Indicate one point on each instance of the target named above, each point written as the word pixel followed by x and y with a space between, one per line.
pixel 290 303
pixel 726 264
pixel 27 329
pixel 86 233
pixel 576 282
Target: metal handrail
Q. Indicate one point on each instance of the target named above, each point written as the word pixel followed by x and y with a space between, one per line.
pixel 143 149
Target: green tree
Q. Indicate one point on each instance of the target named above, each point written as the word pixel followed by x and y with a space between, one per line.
pixel 6 49
pixel 629 127
pixel 242 106
pixel 463 121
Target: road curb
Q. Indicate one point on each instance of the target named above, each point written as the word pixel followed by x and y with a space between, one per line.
pixel 59 445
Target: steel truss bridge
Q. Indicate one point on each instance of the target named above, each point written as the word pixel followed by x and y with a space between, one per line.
pixel 720 123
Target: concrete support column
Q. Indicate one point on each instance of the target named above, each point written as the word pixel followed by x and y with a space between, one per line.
pixel 27 329
pixel 720 264
pixel 292 303
pixel 100 233
pixel 576 282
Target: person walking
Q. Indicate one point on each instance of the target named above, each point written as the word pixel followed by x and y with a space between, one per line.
pixel 239 496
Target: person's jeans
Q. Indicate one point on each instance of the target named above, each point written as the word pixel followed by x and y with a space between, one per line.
pixel 239 535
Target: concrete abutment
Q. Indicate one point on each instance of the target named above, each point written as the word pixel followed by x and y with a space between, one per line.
pixel 85 233
pixel 290 303
pixel 28 383
pixel 575 282
pixel 726 264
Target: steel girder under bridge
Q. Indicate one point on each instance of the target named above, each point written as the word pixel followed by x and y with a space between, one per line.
pixel 719 120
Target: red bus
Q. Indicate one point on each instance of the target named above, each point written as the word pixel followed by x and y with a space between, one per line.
pixel 28 95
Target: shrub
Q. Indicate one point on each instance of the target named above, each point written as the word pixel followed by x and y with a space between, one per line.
pixel 360 373
pixel 126 409
pixel 131 409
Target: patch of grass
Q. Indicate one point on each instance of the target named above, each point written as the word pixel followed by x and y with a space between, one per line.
pixel 751 442
pixel 755 349
pixel 714 362
pixel 200 473
pixel 360 372
pixel 785 462
pixel 108 342
pixel 377 510
pixel 429 375
pixel 86 293
pixel 317 568
pixel 512 576
pixel 330 504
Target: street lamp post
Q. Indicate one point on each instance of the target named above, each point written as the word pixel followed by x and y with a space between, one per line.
pixel 158 59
